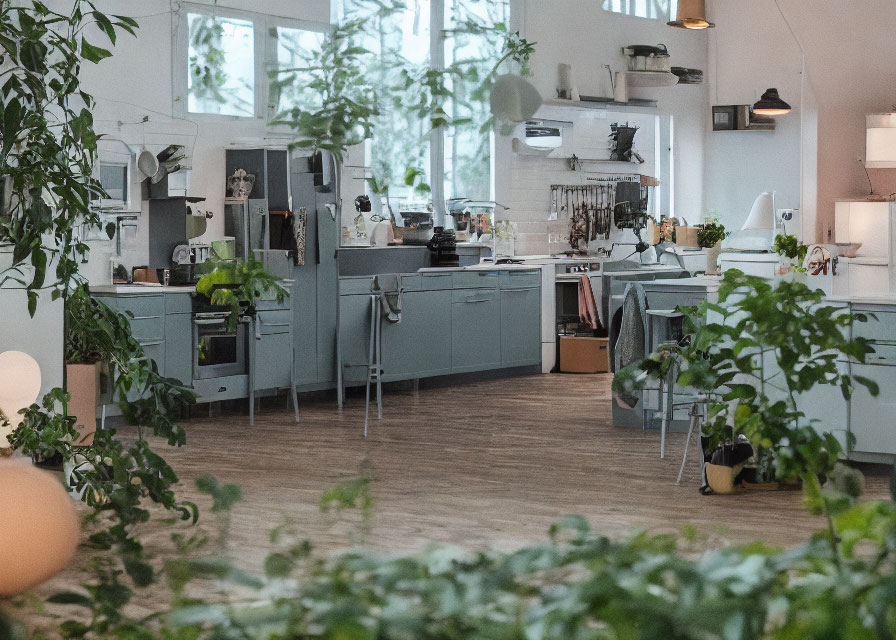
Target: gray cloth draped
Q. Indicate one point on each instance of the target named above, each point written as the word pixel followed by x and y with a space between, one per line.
pixel 632 342
pixel 388 286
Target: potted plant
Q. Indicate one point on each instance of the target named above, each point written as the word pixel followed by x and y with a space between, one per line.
pixel 238 285
pixel 709 237
pixel 751 355
pixel 46 433
pixel 788 246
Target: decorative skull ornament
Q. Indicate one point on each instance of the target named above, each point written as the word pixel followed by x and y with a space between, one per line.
pixel 240 183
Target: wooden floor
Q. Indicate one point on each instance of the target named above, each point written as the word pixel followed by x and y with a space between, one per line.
pixel 487 464
pixel 483 464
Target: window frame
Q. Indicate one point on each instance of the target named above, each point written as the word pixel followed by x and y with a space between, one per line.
pixel 264 61
pixel 672 13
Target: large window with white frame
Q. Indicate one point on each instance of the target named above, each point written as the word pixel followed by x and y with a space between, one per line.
pixel 229 62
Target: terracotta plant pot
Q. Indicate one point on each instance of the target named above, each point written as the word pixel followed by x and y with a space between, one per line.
pixel 721 478
pixel 83 383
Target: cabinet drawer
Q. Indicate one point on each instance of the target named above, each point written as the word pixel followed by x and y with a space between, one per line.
pixel 884 355
pixel 142 305
pixel 882 327
pixel 520 279
pixel 278 321
pixel 178 303
pixel 349 286
pixel 412 282
pixel 148 328
pixel 273 305
pixel 437 281
pixel 475 279
pixel 155 350
pixel 472 296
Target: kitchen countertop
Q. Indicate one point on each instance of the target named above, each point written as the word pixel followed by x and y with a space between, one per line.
pixel 140 288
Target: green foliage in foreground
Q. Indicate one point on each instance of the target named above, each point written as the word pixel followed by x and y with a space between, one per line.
pixel 577 585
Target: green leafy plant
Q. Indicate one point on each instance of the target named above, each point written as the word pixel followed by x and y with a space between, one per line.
pixel 46 433
pixel 752 354
pixel 48 144
pixel 788 246
pixel 238 285
pixel 341 114
pixel 577 584
pixel 710 234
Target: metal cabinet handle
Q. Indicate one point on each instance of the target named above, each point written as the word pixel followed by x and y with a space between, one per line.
pixel 473 300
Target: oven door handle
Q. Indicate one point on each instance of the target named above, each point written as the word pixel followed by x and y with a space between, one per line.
pixel 209 321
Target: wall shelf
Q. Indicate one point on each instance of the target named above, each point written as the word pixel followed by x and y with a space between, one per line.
pixel 603 104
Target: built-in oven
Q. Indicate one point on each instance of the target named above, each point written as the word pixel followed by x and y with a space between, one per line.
pixel 219 349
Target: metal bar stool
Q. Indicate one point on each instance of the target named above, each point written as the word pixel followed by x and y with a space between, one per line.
pixel 374 360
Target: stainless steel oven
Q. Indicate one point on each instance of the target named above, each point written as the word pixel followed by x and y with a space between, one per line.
pixel 218 350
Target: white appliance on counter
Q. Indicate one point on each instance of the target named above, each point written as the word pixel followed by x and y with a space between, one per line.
pixel 872 272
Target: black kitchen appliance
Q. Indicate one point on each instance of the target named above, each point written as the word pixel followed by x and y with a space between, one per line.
pixel 443 246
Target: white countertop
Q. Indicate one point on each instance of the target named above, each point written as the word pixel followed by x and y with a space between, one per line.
pixel 140 288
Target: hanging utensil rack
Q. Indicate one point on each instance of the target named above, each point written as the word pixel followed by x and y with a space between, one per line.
pixel 589 208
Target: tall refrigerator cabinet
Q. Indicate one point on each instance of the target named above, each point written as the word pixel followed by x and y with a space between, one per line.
pixel 315 284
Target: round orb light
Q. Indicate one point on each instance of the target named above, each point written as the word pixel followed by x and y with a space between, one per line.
pixel 19 383
pixel 39 527
pixel 514 98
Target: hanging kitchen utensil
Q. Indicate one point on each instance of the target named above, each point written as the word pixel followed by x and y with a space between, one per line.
pixel 147 163
pixel 169 152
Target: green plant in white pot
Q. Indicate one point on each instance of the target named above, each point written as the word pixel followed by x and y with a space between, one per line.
pixel 710 237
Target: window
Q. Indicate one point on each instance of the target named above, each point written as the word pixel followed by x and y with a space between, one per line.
pixel 231 60
pixel 453 160
pixel 221 65
pixel 655 9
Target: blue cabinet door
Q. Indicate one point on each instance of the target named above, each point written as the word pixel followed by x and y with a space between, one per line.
pixel 327 292
pixel 354 335
pixel 273 361
pixel 179 347
pixel 520 327
pixel 420 345
pixel 475 330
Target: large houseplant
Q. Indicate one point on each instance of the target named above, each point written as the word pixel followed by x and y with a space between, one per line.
pixel 752 354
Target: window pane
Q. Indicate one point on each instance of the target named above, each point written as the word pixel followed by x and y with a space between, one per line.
pixel 398 38
pixel 294 48
pixel 221 65
pixel 478 29
pixel 656 9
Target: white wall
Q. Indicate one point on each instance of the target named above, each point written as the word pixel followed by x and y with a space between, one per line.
pixel 751 50
pixel 582 34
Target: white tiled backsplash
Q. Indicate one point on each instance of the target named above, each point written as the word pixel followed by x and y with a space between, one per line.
pixel 532 177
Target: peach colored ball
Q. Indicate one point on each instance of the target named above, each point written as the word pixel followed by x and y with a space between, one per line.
pixel 39 527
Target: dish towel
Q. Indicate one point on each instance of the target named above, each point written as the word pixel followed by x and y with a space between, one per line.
pixel 587 308
pixel 630 347
pixel 388 286
pixel 299 226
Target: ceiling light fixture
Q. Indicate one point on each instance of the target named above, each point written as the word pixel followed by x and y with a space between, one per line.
pixel 770 104
pixel 691 14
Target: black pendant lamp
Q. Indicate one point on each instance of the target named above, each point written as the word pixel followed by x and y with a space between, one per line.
pixel 770 104
pixel 691 14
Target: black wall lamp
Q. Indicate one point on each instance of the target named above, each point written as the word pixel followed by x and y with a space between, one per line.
pixel 770 104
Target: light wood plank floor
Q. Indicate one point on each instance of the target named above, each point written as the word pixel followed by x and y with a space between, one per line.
pixel 487 464
pixel 483 464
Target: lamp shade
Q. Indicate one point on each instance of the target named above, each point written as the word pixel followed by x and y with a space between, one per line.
pixel 514 98
pixel 19 387
pixel 770 104
pixel 691 14
pixel 762 215
pixel 880 141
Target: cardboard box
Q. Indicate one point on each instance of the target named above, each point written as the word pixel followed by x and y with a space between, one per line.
pixel 686 236
pixel 584 355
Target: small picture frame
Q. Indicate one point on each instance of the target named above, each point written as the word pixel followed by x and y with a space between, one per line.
pixel 723 118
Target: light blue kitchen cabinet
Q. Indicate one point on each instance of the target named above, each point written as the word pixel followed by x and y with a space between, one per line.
pixel 354 332
pixel 476 330
pixel 871 419
pixel 418 346
pixel 273 366
pixel 327 291
pixel 179 338
pixel 520 327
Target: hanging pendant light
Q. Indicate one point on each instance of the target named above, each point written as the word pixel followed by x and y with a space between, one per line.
pixel 691 14
pixel 770 104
